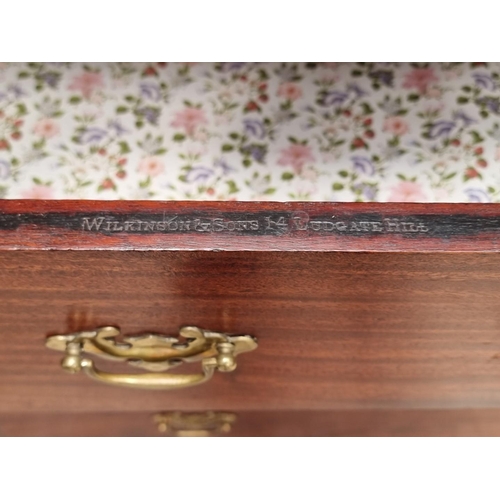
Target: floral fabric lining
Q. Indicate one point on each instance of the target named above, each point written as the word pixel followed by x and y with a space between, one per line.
pixel 251 131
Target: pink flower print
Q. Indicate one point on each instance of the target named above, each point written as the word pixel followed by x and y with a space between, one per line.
pixel 497 154
pixel 189 119
pixel 419 78
pixel 296 156
pixel 434 93
pixel 46 128
pixel 151 166
pixel 290 91
pixel 310 174
pixel 87 83
pixel 407 191
pixel 38 193
pixel 395 125
pixel 200 135
pixel 451 74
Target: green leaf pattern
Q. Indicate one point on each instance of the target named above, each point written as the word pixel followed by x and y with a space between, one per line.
pixel 416 132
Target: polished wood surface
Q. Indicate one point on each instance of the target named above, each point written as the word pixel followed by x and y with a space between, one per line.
pixel 372 319
pixel 365 423
pixel 245 226
pixel 336 330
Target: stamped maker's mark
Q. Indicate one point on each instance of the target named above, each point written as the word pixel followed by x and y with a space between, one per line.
pixel 256 224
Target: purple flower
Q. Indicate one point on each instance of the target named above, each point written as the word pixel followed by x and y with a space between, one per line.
pixel 226 169
pixel 117 127
pixel 4 169
pixel 385 77
pixel 491 103
pixel 359 92
pixel 477 195
pixel 150 114
pixel 50 78
pixel 256 151
pixel 439 128
pixel 254 128
pixel 231 66
pixel 460 115
pixel 199 174
pixel 369 192
pixel 363 165
pixel 333 98
pixel 16 90
pixel 92 134
pixel 484 81
pixel 150 91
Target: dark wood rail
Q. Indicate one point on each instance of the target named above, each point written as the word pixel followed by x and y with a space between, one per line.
pixel 256 226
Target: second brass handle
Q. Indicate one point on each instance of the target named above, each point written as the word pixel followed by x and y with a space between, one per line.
pixel 157 353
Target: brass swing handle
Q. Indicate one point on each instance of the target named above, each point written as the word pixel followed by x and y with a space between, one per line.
pixel 152 352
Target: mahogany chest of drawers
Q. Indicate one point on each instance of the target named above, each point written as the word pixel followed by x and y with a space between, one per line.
pixel 355 319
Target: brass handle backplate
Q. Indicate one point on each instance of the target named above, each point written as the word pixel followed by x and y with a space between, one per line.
pixel 202 424
pixel 152 352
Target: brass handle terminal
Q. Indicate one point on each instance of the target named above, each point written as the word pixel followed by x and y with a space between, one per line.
pixel 152 352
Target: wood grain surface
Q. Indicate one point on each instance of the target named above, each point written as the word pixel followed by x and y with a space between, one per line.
pixel 257 226
pixel 372 319
pixel 336 330
pixel 363 423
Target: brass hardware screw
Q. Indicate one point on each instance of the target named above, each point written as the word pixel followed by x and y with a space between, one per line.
pixel 225 359
pixel 71 362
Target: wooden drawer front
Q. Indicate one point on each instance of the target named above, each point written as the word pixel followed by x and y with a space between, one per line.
pixel 335 330
pixel 466 422
pixel 383 322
